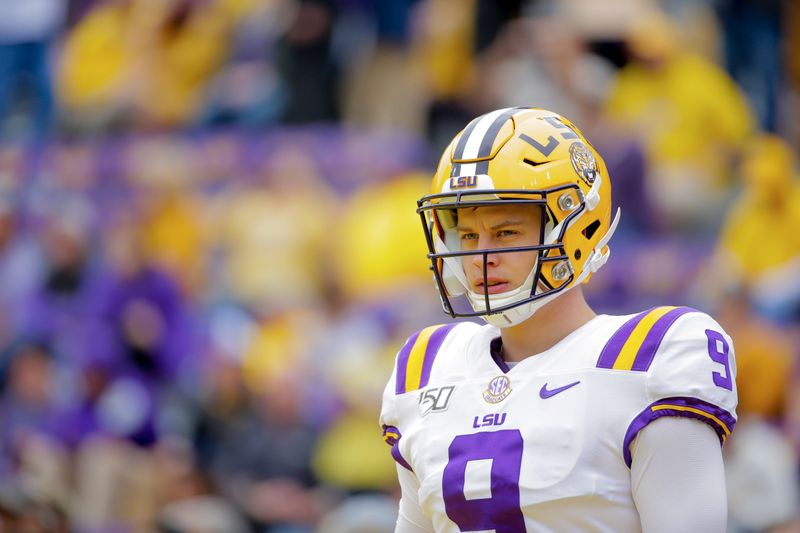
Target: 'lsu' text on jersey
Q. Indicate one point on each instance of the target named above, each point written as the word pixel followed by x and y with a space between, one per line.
pixel 545 446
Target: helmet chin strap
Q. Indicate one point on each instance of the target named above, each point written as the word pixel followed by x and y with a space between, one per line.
pixel 478 301
pixel 519 314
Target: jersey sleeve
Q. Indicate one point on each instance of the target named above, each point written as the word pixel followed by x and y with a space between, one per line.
pixel 688 364
pixel 389 422
pixel 412 371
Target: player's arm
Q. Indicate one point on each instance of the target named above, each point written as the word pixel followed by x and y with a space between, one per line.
pixel 675 441
pixel 677 477
pixel 412 372
pixel 410 517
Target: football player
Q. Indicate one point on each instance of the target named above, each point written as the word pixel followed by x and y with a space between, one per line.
pixel 550 418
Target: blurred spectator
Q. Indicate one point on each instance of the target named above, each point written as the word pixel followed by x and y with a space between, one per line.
pixel 27 29
pixel 760 461
pixel 540 62
pixel 691 117
pixel 249 90
pixel 93 75
pixel 345 456
pixel 183 47
pixel 759 244
pixel 765 357
pixel 144 63
pixel 35 436
pixel 166 175
pixel 385 88
pixel 262 460
pixel 115 483
pixel 63 304
pixel 371 262
pixel 272 234
pixel 146 313
pixel 445 52
pixel 21 266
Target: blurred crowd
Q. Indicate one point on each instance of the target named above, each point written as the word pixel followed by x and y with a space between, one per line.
pixel 209 252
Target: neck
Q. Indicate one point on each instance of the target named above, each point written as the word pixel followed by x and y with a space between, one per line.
pixel 547 327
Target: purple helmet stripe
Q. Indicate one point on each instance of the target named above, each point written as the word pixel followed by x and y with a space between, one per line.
pixel 647 351
pixel 718 418
pixel 614 345
pixel 402 363
pixel 434 343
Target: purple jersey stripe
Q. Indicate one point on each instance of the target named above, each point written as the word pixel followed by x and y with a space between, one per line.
pixel 434 343
pixel 392 437
pixel 661 408
pixel 494 349
pixel 647 351
pixel 614 345
pixel 399 458
pixel 402 363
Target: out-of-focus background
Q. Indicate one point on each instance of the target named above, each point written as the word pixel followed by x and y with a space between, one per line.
pixel 209 253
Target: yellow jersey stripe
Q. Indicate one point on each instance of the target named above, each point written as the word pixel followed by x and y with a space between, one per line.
pixel 417 357
pixel 627 354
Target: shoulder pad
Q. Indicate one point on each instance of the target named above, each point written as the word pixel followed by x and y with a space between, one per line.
pixel 415 360
pixel 634 345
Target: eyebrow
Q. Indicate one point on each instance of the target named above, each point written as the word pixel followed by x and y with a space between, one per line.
pixel 507 222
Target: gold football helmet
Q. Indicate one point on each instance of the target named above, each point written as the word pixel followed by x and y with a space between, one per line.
pixel 510 157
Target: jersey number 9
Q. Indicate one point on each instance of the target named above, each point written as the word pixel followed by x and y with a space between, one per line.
pixel 466 501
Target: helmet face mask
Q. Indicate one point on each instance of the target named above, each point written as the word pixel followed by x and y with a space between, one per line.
pixel 564 179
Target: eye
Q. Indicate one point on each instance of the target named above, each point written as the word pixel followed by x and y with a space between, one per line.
pixel 469 236
pixel 507 233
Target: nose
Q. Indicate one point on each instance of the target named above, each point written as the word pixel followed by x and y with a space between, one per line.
pixel 485 242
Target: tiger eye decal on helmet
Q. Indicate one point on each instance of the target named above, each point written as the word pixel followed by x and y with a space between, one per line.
pixel 583 162
pixel 529 157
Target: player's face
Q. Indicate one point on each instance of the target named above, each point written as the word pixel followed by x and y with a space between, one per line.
pixel 481 228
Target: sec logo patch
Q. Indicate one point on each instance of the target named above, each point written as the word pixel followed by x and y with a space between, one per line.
pixel 498 390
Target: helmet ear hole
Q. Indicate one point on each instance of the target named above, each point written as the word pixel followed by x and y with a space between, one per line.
pixel 578 254
pixel 589 230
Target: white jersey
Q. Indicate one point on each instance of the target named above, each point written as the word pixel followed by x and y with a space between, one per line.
pixel 545 446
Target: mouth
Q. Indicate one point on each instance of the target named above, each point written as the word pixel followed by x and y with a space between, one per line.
pixel 494 286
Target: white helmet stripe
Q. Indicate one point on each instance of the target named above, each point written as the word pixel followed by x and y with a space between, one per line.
pixel 482 127
pixel 459 149
pixel 477 141
pixel 485 150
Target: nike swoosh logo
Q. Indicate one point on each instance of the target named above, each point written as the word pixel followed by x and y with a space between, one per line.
pixel 544 393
